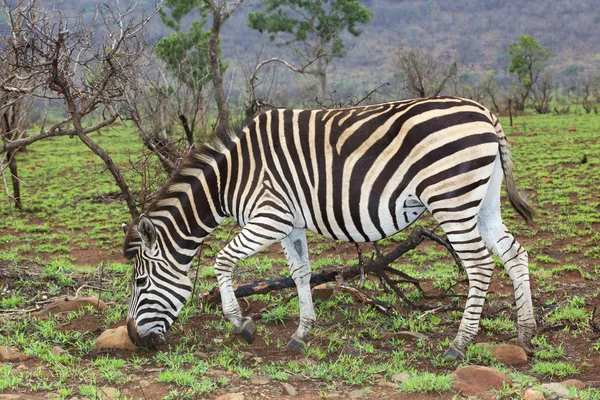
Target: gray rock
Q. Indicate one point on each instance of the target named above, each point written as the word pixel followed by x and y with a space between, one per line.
pixel 358 394
pixel 231 396
pixel 258 380
pixel 333 395
pixel 109 393
pixel 389 384
pixel 555 388
pixel 246 355
pixel 401 377
pixel 289 389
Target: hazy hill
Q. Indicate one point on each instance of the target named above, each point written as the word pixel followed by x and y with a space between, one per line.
pixel 475 32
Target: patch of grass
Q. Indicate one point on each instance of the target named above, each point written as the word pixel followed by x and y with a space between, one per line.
pixel 427 382
pixel 554 369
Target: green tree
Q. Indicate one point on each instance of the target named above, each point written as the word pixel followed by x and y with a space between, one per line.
pixel 312 26
pixel 195 55
pixel 527 59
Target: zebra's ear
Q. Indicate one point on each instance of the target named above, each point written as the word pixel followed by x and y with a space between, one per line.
pixel 147 231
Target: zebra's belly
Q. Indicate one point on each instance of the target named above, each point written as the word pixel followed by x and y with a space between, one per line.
pixel 361 228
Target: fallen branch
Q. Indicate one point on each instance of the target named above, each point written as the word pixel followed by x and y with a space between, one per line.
pixel 378 265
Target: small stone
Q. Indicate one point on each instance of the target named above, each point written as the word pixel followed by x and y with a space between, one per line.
pixel 509 354
pixel 12 355
pixel 401 377
pixel 333 395
pixel 201 355
pixel 404 335
pixel 70 304
pixel 58 350
pixel 377 376
pixel 231 396
pixel 289 389
pixel 531 394
pixel 388 384
pixel 532 133
pixel 474 379
pixel 114 339
pixel 246 355
pixel 358 394
pixel 572 129
pixel 74 398
pixel 258 380
pixel 109 393
pixel 576 383
pixel 555 388
pixel 257 360
pixel 323 291
pixel 144 383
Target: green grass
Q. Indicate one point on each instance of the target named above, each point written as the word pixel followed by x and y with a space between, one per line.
pixel 64 216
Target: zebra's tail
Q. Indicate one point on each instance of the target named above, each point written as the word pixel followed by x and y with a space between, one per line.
pixel 518 203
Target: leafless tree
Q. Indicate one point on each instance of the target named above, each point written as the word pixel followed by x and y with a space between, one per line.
pixel 84 65
pixel 541 91
pixel 220 10
pixel 423 73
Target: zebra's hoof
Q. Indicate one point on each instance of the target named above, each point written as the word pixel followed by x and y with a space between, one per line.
pixel 295 345
pixel 528 347
pixel 248 330
pixel 453 353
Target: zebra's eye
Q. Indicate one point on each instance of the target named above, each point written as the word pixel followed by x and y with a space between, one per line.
pixel 141 281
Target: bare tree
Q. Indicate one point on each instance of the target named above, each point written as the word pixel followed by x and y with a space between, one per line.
pixel 541 92
pixel 83 65
pixel 423 73
pixel 221 10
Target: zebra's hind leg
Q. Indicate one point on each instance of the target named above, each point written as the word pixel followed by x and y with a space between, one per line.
pixel 479 265
pixel 255 236
pixel 296 252
pixel 513 256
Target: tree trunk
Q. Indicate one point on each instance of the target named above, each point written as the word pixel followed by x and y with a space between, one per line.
pixel 215 70
pixel 12 166
pixel 322 73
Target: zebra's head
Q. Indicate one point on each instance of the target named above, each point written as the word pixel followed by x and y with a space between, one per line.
pixel 159 288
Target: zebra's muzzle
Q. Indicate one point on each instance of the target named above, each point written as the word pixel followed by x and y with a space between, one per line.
pixel 151 341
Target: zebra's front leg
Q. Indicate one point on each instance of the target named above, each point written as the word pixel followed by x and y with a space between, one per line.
pixel 231 309
pixel 296 251
pixel 256 235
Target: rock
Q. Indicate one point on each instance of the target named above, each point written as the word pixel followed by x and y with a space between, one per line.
pixel 533 134
pixel 114 339
pixel 510 354
pixel 289 389
pixel 555 388
pixel 333 395
pixel 388 384
pixel 8 354
pixel 475 379
pixel 322 292
pixel 231 396
pixel 531 394
pixel 576 383
pixel 401 377
pixel 246 355
pixel 572 129
pixel 58 350
pixel 74 398
pixel 70 304
pixel 258 380
pixel 201 355
pixel 358 394
pixel 512 142
pixel 108 393
pixel 547 180
pixel 404 335
pixel 10 396
pixel 257 360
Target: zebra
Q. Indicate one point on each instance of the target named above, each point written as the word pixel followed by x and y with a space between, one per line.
pixel 355 174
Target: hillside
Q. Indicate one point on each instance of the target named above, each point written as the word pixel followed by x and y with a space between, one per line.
pixel 476 33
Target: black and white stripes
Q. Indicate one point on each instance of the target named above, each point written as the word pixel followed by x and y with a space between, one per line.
pixel 357 174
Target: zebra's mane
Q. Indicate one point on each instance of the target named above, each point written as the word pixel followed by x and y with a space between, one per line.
pixel 199 158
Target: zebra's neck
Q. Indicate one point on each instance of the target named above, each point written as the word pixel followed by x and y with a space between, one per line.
pixel 190 206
